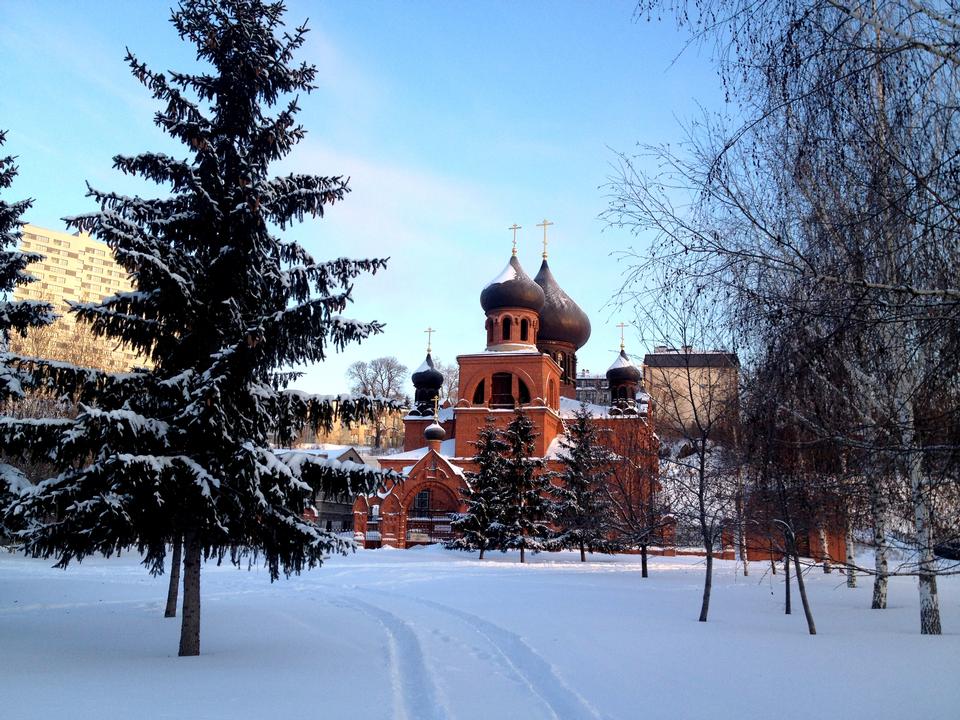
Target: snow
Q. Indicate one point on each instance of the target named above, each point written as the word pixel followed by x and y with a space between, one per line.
pixel 435 634
pixel 447 449
pixel 622 361
pixel 507 274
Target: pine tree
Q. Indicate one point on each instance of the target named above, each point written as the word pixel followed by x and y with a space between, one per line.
pixel 524 490
pixel 16 316
pixel 579 499
pixel 481 526
pixel 220 306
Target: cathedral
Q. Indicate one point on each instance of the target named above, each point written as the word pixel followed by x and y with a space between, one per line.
pixel 533 331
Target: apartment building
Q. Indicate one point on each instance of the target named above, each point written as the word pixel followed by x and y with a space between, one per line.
pixel 75 268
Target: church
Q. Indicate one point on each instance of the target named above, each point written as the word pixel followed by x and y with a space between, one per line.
pixel 533 331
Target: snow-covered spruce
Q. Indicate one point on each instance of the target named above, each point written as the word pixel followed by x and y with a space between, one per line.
pixel 16 316
pixel 582 516
pixel 526 507
pixel 221 305
pixel 481 527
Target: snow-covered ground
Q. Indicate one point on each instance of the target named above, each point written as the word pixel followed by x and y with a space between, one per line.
pixel 433 634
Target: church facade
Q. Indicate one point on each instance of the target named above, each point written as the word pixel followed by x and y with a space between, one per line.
pixel 533 331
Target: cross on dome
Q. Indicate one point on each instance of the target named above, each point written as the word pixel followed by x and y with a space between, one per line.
pixel 545 224
pixel 429 331
pixel 515 227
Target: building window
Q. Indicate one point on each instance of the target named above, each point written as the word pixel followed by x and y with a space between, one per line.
pixel 478 394
pixel 524 329
pixel 421 503
pixel 506 328
pixel 502 391
pixel 524 392
pixel 489 332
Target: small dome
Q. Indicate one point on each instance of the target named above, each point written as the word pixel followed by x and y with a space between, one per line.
pixel 561 319
pixel 427 377
pixel 434 431
pixel 623 370
pixel 512 288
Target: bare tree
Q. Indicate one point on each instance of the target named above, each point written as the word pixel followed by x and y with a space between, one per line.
pixel 450 390
pixel 382 377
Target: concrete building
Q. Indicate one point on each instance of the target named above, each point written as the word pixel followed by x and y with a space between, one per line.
pixel 80 269
pixel 687 385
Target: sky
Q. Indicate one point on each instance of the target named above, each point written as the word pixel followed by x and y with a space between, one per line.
pixel 454 120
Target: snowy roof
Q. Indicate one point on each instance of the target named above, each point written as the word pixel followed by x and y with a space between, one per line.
pixel 507 274
pixel 447 449
pixel 446 414
pixel 424 367
pixel 569 408
pixel 623 360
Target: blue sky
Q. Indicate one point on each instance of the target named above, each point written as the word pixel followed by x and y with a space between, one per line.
pixel 454 120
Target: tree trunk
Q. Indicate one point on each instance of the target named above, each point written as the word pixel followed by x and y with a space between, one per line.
pixel 174 588
pixel 879 512
pixel 583 552
pixel 643 561
pixel 707 585
pixel 190 624
pixel 851 572
pixel 825 552
pixel 522 557
pixel 786 584
pixel 482 550
pixel 811 626
pixel 742 541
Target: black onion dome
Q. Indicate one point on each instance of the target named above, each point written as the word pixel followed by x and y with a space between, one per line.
pixel 434 431
pixel 623 370
pixel 512 288
pixel 427 377
pixel 561 319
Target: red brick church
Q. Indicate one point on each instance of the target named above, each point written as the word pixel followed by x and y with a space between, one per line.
pixel 533 331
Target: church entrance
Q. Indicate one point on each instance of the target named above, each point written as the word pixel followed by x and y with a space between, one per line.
pixel 429 516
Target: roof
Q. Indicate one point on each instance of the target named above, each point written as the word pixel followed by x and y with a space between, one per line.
pixel 713 358
pixel 447 449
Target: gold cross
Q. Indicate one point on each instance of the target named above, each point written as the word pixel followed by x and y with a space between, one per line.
pixel 514 227
pixel 545 224
pixel 429 331
pixel 436 408
pixel 621 326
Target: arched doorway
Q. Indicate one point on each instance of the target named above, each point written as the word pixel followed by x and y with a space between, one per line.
pixel 430 510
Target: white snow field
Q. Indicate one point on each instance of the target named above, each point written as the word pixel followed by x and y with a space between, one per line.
pixel 434 634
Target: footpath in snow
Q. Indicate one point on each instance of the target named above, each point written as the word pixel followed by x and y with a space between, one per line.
pixel 436 635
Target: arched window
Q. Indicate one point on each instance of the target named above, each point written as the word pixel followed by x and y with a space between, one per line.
pixel 421 503
pixel 489 331
pixel 622 392
pixel 524 392
pixel 524 329
pixel 506 328
pixel 478 394
pixel 501 390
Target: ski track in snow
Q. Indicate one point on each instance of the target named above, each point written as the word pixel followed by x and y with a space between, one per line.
pixel 533 670
pixel 415 694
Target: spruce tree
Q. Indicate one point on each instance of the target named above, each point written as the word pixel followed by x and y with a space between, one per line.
pixel 16 316
pixel 525 489
pixel 481 526
pixel 221 305
pixel 581 510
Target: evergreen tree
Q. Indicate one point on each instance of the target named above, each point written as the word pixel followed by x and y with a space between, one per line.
pixel 16 316
pixel 481 526
pixel 220 305
pixel 524 490
pixel 579 500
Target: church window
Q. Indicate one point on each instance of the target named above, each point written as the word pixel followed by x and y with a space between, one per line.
pixel 421 503
pixel 524 329
pixel 524 392
pixel 489 332
pixel 478 394
pixel 502 390
pixel 506 328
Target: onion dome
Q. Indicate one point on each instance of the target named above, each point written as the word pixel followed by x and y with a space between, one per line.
pixel 434 431
pixel 561 319
pixel 512 288
pixel 623 371
pixel 427 377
